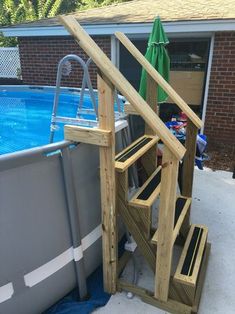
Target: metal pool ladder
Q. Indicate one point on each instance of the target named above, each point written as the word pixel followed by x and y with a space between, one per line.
pixel 85 82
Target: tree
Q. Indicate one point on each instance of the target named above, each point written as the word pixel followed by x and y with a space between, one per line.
pixel 18 11
pixel 87 4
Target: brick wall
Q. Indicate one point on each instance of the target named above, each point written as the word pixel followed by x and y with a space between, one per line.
pixel 220 115
pixel 40 56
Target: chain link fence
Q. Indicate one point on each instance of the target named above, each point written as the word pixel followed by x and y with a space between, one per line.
pixel 10 63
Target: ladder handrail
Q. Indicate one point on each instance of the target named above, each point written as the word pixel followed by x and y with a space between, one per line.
pixel 88 62
pixel 118 80
pixel 86 80
pixel 159 79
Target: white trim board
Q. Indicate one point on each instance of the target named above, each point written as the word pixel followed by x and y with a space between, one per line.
pixel 208 75
pixel 131 28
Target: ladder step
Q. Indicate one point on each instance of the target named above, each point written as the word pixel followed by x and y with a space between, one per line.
pixel 134 151
pixel 181 207
pixel 190 261
pixel 149 191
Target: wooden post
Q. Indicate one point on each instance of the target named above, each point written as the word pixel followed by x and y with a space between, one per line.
pixel 188 168
pixel 149 160
pixel 166 224
pixel 108 188
pixel 151 99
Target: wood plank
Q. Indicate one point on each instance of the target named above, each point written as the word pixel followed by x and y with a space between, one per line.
pixel 87 135
pixel 201 278
pixel 181 219
pixel 122 166
pixel 142 217
pixel 191 280
pixel 135 202
pixel 151 99
pixel 129 109
pixel 122 206
pixel 123 260
pixel 159 79
pixel 170 306
pixel 149 159
pixel 108 186
pixel 188 169
pixel 166 224
pixel 115 76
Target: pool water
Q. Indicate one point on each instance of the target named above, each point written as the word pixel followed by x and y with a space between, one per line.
pixel 25 117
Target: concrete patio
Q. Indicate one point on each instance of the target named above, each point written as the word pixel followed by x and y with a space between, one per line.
pixel 214 206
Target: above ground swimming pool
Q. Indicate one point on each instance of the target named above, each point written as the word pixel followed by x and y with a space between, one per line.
pixel 25 115
pixel 50 200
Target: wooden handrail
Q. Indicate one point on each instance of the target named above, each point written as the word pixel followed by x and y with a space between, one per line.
pixel 159 79
pixel 117 79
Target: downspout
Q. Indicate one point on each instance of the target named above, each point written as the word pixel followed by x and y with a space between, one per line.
pixel 207 82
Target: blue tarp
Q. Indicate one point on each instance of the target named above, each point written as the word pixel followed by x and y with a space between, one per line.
pixel 70 303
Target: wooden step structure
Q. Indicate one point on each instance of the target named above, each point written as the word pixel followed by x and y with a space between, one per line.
pixel 178 293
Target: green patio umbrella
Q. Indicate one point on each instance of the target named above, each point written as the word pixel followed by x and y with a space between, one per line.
pixel 157 55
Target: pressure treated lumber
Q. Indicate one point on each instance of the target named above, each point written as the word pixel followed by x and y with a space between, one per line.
pixel 159 79
pixel 188 168
pixel 129 109
pixel 118 80
pixel 133 152
pixel 166 224
pixel 139 202
pixel 201 278
pixel 178 220
pixel 170 306
pixel 87 135
pixel 149 160
pixel 191 274
pixel 108 186
pixel 123 209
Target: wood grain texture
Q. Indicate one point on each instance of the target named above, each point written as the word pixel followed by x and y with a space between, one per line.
pixel 149 159
pixel 166 224
pixel 108 186
pixel 201 278
pixel 129 109
pixel 191 280
pixel 170 306
pixel 134 228
pixel 115 76
pixel 134 201
pixel 178 224
pixel 188 169
pixel 87 135
pixel 159 79
pixel 122 166
pixel 142 217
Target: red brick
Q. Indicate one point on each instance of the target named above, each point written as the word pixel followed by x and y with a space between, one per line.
pixel 219 124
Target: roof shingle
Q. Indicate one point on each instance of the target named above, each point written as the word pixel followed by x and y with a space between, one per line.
pixel 144 11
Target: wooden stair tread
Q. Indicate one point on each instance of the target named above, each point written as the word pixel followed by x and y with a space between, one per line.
pixel 181 207
pixel 190 261
pixel 134 151
pixel 149 191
